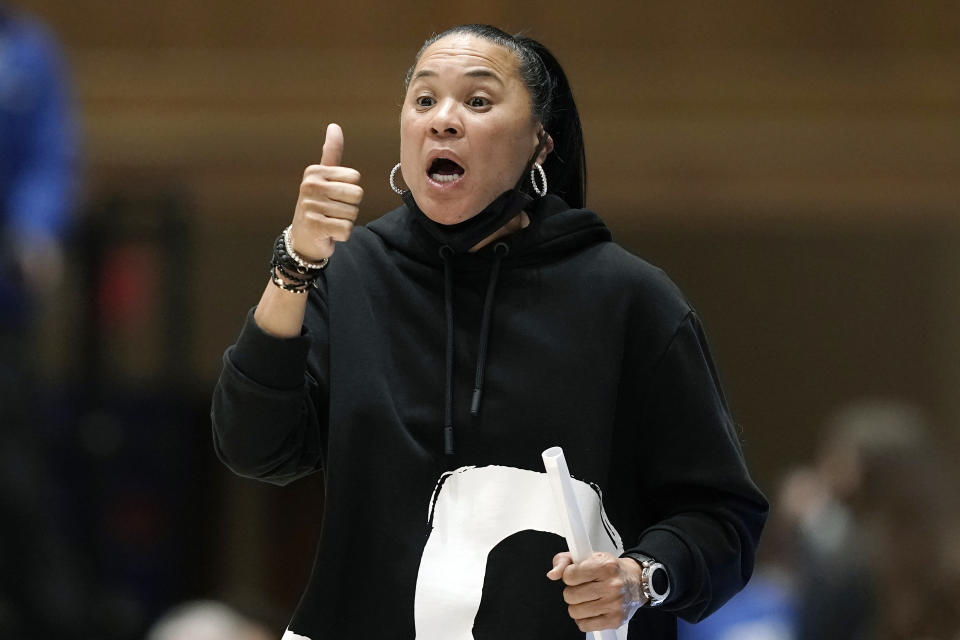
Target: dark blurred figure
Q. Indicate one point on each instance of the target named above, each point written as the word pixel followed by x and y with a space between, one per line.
pixel 38 591
pixel 876 525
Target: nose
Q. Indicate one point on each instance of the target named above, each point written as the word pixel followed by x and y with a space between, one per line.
pixel 445 120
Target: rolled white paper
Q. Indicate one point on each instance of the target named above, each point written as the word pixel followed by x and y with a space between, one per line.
pixel 571 521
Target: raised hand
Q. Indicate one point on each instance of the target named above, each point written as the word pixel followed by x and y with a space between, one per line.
pixel 329 201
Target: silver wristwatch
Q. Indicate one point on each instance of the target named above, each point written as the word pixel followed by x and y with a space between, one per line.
pixel 654 581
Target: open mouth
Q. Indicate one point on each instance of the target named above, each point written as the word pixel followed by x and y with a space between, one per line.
pixel 445 171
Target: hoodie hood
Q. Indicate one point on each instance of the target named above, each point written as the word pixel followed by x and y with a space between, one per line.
pixel 555 230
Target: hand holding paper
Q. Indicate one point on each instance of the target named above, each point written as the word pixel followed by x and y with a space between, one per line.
pixel 603 591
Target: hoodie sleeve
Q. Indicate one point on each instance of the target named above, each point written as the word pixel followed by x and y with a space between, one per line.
pixel 266 414
pixel 707 512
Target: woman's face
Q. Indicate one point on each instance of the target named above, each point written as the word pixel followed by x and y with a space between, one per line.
pixel 466 127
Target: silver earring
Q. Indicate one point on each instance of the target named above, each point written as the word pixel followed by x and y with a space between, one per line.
pixel 533 179
pixel 393 184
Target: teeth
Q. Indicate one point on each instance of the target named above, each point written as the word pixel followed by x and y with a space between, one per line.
pixel 445 177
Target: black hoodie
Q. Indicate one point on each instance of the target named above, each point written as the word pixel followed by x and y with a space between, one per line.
pixel 587 347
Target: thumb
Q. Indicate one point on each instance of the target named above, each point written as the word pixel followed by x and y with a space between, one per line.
pixel 332 146
pixel 560 562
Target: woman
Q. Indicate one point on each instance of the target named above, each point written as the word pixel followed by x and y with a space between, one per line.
pixel 442 347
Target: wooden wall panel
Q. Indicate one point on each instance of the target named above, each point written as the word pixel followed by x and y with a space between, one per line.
pixel 695 24
pixel 736 133
pixel 698 116
pixel 739 108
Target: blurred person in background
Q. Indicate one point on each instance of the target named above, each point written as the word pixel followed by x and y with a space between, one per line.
pixel 37 186
pixel 38 171
pixel 876 528
pixel 767 608
pixel 860 545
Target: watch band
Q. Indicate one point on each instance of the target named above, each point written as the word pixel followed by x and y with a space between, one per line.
pixel 650 577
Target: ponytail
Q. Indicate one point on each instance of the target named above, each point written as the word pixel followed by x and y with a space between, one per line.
pixel 566 166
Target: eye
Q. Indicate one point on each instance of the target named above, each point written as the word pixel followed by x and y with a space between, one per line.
pixel 424 101
pixel 478 103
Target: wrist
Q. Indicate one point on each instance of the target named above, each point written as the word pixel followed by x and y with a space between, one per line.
pixel 631 572
pixel 301 260
pixel 289 271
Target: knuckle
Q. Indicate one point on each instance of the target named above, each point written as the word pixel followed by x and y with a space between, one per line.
pixel 340 191
pixel 310 185
pixel 310 170
pixel 316 173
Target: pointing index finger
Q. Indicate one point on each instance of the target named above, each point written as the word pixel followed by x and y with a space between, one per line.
pixel 332 146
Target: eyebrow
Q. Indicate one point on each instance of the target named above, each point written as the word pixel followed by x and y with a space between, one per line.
pixel 473 73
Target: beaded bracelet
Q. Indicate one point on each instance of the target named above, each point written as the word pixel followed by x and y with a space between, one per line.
pixel 290 276
pixel 282 257
pixel 288 245
pixel 282 263
pixel 299 273
pixel 300 287
pixel 300 283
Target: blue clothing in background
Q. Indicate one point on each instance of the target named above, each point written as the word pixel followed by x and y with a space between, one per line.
pixel 764 610
pixel 37 147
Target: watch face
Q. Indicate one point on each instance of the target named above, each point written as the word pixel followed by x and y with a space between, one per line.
pixel 656 583
pixel 659 582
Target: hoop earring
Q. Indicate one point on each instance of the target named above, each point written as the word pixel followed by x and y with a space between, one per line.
pixel 533 179
pixel 393 184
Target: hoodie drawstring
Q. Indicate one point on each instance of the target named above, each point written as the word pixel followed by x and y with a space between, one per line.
pixel 445 253
pixel 500 251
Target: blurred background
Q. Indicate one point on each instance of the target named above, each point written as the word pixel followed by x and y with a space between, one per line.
pixel 794 166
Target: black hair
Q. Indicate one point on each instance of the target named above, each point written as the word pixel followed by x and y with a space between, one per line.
pixel 552 102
